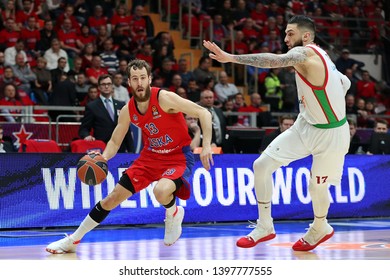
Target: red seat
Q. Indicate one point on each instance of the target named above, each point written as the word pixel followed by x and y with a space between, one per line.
pixel 40 146
pixel 83 146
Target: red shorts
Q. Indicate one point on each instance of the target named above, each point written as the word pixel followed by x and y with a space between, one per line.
pixel 148 169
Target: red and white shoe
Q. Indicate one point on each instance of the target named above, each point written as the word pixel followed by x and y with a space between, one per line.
pixel 259 234
pixel 63 246
pixel 313 238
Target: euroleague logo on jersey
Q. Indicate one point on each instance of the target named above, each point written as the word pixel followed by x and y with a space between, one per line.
pixel 155 112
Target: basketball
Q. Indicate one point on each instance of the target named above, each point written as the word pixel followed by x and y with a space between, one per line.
pixel 92 169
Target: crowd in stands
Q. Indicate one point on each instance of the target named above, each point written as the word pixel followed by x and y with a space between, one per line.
pixel 52 53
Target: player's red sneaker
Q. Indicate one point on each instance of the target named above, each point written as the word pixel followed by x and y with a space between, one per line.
pixel 259 234
pixel 313 238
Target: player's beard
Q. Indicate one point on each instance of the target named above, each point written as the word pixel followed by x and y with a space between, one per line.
pixel 143 98
pixel 298 44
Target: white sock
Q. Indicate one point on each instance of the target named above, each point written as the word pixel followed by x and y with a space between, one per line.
pixel 171 211
pixel 265 213
pixel 86 226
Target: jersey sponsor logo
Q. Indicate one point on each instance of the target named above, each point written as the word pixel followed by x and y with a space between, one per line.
pixel 160 141
pixel 135 118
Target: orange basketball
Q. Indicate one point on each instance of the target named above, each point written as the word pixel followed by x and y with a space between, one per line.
pixel 92 169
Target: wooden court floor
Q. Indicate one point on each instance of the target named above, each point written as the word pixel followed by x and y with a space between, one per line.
pixel 357 239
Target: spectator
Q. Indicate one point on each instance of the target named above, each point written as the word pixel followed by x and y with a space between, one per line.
pixel 6 146
pixel 47 34
pixel 56 74
pixel 353 88
pixel 381 127
pixel 203 71
pixel 274 93
pixel 81 86
pixel 285 122
pixel 120 92
pixel 289 90
pixel 223 89
pixel 194 131
pixel 32 36
pixel 64 94
pixel 185 74
pixel 97 116
pixel 366 88
pixel 137 20
pixel 76 68
pixel 24 73
pixel 97 19
pixel 228 107
pixel 122 70
pixel 9 35
pixel 69 39
pixel 11 52
pixel 182 92
pixel 175 83
pixel 218 118
pixel 87 55
pixel 109 58
pixel 42 86
pixel 92 94
pixel 11 98
pixel 54 53
pixel 239 101
pixel 8 78
pixel 96 70
pixel 345 62
pixel 145 53
pixel 193 91
pixel 85 37
pixel 355 145
pixel 121 19
pixel 350 103
pixel 227 13
pixel 101 36
pixel 256 106
pixel 358 29
pixel 67 14
pixel 23 14
pixel 166 72
pixel 2 63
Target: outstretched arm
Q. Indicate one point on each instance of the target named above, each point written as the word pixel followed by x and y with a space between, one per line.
pixel 293 57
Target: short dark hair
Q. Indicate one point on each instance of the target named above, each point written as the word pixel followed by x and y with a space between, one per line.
pixel 303 22
pixel 105 76
pixel 286 117
pixel 138 64
pixel 382 121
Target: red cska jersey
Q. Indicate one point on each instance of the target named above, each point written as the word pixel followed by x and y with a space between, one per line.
pixel 162 133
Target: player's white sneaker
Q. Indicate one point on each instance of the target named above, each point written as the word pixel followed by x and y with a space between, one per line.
pixel 313 238
pixel 62 246
pixel 259 234
pixel 173 227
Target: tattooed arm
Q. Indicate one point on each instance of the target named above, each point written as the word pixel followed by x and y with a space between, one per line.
pixel 293 57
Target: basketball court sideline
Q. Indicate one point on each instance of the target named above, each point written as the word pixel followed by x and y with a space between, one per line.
pixel 354 239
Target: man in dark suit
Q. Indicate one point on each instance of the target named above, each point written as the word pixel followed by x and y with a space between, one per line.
pixel 101 116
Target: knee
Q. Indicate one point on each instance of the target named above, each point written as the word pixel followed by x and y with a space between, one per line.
pixel 159 194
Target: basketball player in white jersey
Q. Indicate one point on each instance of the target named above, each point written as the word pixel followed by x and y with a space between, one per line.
pixel 321 130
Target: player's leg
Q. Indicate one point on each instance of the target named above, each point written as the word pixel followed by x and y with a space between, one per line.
pixel 327 169
pixel 263 168
pixel 123 190
pixel 163 191
pixel 279 152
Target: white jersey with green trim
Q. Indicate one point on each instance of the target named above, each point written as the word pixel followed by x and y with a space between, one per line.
pixel 323 104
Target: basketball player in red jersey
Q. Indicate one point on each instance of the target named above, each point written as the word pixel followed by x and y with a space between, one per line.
pixel 166 156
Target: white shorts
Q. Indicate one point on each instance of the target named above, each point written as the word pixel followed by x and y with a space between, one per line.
pixel 327 146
